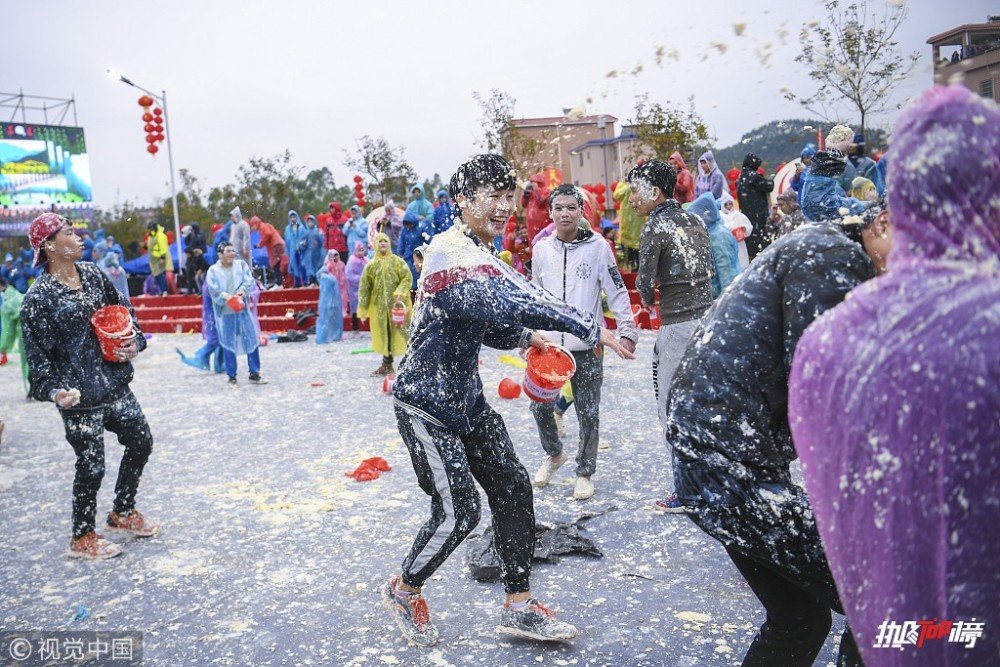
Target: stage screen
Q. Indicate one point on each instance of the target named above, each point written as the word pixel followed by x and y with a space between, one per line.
pixel 42 167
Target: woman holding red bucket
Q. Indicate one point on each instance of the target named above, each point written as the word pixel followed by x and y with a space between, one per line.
pixel 66 365
pixel 230 284
pixel 467 297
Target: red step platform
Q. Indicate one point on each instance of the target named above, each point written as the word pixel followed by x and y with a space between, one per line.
pixel 276 310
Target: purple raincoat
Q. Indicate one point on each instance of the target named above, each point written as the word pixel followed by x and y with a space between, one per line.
pixel 894 399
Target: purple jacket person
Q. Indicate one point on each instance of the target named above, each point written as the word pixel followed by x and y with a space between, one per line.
pixel 894 401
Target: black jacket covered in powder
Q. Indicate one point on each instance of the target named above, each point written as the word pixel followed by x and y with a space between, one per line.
pixel 60 344
pixel 675 252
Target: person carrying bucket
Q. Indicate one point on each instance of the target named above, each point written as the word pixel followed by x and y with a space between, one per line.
pixel 467 297
pixel 65 321
pixel 230 284
pixel 576 265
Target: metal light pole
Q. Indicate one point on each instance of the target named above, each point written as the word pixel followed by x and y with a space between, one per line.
pixel 162 99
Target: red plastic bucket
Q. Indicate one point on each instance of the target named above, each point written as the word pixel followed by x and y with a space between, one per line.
pixel 547 372
pixel 235 303
pixel 113 326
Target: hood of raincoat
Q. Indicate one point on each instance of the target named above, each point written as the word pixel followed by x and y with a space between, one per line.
pixel 442 193
pixel 706 208
pixel 310 218
pixel 708 157
pixel 237 213
pixel 293 217
pixel 722 203
pixel 860 188
pixel 379 254
pixel 676 155
pixel 751 162
pixel 950 210
pixel 808 151
pixel 418 186
pixel 410 218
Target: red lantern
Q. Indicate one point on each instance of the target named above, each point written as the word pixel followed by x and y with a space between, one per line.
pixel 357 179
pixel 149 127
pixel 157 111
pixel 614 185
pixel 147 117
pixel 361 203
pixel 159 136
pixel 152 148
pixel 600 200
pixel 599 188
pixel 158 127
pixel 358 187
pixel 150 138
pixel 145 101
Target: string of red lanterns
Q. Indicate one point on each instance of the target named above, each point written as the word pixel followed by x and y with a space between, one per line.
pixel 152 118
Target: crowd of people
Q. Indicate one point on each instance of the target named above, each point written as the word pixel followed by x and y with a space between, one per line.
pixel 853 325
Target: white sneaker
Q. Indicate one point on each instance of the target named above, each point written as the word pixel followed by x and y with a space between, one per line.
pixel 560 425
pixel 583 488
pixel 548 468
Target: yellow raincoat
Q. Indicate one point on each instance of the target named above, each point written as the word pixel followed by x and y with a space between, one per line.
pixel 159 252
pixel 385 278
pixel 629 222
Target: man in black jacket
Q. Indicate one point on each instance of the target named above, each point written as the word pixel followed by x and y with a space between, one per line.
pixel 753 190
pixel 675 254
pixel 727 423
pixel 66 366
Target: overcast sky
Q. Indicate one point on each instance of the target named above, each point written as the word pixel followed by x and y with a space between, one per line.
pixel 254 77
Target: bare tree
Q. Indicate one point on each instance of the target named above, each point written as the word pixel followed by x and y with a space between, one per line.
pixel 385 166
pixel 501 135
pixel 854 59
pixel 662 129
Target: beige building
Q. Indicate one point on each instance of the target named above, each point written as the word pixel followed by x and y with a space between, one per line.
pixel 555 136
pixel 604 160
pixel 970 54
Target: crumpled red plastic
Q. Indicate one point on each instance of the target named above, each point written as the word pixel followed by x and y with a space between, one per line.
pixel 370 469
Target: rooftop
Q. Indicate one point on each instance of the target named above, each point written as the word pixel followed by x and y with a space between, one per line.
pixel 968 27
pixel 561 120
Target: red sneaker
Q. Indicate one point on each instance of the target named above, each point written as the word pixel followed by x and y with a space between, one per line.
pixel 93 547
pixel 133 523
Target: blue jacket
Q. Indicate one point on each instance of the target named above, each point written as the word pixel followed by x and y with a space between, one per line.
pixel 443 214
pixel 879 174
pixel 725 250
pixel 414 235
pixel 468 297
pixel 822 199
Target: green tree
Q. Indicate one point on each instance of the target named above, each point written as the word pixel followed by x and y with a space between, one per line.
pixel 267 187
pixel 854 60
pixel 389 173
pixel 662 129
pixel 318 189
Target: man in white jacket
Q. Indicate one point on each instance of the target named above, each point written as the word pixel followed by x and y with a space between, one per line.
pixel 576 265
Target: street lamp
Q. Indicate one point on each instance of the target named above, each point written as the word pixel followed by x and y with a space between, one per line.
pixel 162 99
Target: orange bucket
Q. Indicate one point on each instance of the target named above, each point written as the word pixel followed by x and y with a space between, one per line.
pixel 547 372
pixel 235 303
pixel 113 326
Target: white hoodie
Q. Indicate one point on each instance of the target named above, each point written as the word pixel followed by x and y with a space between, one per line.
pixel 577 272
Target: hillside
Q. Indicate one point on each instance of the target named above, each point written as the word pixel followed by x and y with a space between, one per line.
pixel 781 141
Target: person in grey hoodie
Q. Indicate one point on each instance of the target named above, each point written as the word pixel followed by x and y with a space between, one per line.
pixel 710 178
pixel 576 265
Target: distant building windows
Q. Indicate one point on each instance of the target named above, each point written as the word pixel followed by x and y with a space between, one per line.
pixel 986 88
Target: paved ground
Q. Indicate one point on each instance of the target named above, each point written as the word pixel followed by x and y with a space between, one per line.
pixel 270 555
